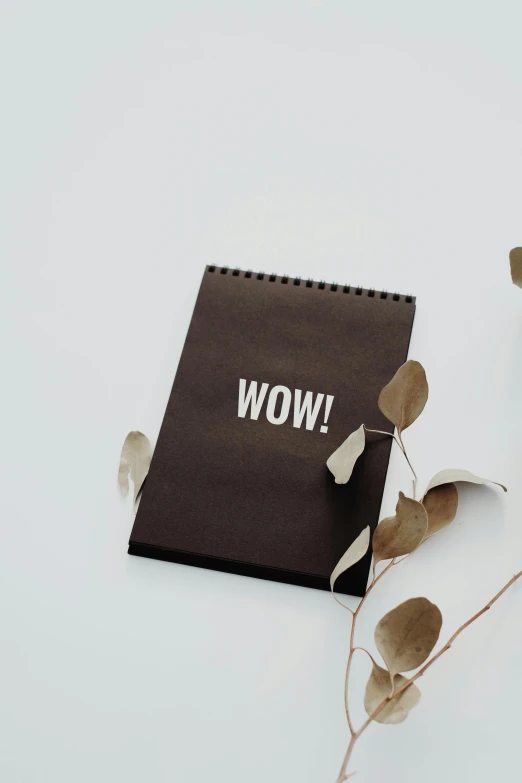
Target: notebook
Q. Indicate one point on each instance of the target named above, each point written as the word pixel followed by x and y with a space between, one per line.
pixel 274 375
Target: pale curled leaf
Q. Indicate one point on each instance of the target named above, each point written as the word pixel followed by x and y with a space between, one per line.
pixel 136 455
pixel 123 476
pixel 378 689
pixel 515 262
pixel 407 635
pixel 441 503
pixel 355 552
pixel 401 534
pixel 455 474
pixel 403 399
pixel 342 461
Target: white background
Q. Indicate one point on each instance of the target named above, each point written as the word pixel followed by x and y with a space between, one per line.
pixel 374 143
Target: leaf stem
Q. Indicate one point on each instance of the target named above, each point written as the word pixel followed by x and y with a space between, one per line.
pixel 343 774
pixel 355 736
pixel 352 643
pixel 398 440
pixel 368 653
pixel 343 605
pixel 383 432
pixel 409 463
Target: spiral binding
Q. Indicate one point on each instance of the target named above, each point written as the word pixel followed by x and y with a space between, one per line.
pixel 321 285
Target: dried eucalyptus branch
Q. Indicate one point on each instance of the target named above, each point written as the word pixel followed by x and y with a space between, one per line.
pixel 406 636
pixel 408 683
pixel 352 640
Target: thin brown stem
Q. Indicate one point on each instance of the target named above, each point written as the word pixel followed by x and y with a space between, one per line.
pixel 352 643
pixel 462 628
pixel 341 604
pixel 383 432
pixel 409 463
pixel 364 650
pixel 398 440
pixel 346 684
pixel 342 774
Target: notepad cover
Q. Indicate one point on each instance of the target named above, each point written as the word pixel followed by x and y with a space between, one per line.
pixel 250 494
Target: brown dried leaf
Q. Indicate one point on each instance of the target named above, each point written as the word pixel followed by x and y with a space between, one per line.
pixel 353 554
pixel 441 503
pixel 136 455
pixel 515 261
pixel 455 474
pixel 342 461
pixel 378 688
pixel 407 635
pixel 403 399
pixel 401 534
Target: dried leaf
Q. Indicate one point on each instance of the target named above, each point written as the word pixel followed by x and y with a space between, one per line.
pixel 378 688
pixel 342 461
pixel 123 476
pixel 455 474
pixel 407 635
pixel 515 261
pixel 401 534
pixel 403 399
pixel 136 455
pixel 353 554
pixel 441 505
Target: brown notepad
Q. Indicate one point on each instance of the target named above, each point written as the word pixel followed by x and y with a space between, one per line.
pixel 275 373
